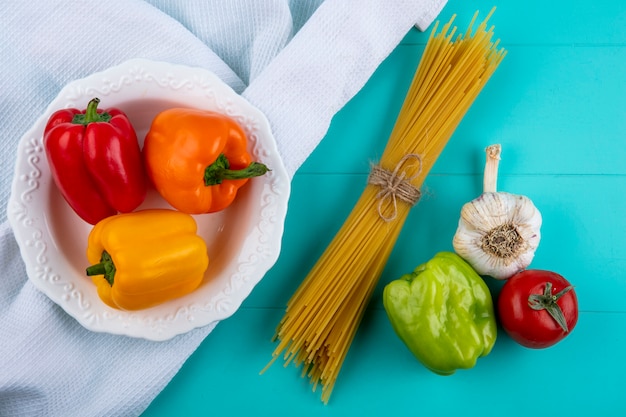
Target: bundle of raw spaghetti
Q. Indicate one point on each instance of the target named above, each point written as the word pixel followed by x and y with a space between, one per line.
pixel 322 317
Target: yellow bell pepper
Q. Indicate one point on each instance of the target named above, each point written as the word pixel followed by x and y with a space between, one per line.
pixel 142 259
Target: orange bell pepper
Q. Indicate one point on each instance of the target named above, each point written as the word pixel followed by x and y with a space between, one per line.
pixel 198 159
pixel 142 259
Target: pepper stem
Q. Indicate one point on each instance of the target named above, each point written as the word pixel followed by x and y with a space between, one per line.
pixel 220 170
pixel 548 301
pixel 490 178
pixel 91 114
pixel 106 267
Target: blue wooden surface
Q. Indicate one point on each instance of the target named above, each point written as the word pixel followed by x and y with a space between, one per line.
pixel 558 106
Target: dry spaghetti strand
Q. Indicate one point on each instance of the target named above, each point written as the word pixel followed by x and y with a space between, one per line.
pixel 324 313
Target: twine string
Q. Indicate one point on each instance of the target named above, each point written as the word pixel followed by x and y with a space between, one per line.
pixel 395 185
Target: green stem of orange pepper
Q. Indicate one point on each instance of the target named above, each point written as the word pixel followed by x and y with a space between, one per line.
pixel 220 170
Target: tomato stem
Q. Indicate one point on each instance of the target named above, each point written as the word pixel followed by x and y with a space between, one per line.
pixel 548 301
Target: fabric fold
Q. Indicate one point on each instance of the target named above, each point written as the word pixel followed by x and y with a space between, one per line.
pixel 326 63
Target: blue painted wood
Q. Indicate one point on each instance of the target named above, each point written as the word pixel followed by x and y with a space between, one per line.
pixel 558 106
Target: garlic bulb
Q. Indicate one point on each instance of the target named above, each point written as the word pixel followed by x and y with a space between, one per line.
pixel 498 232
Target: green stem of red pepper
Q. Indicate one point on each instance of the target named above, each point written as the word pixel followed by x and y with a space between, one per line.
pixel 91 114
pixel 220 170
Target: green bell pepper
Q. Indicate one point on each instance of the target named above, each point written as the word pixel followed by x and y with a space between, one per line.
pixel 443 312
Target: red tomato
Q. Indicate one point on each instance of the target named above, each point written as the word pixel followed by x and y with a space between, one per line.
pixel 530 304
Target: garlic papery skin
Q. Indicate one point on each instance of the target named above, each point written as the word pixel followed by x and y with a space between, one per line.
pixel 498 232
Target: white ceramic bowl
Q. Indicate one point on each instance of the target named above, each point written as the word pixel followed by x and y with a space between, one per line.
pixel 243 240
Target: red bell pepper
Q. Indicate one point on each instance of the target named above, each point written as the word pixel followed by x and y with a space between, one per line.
pixel 95 161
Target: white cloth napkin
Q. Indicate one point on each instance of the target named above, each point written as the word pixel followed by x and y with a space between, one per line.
pixel 298 61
